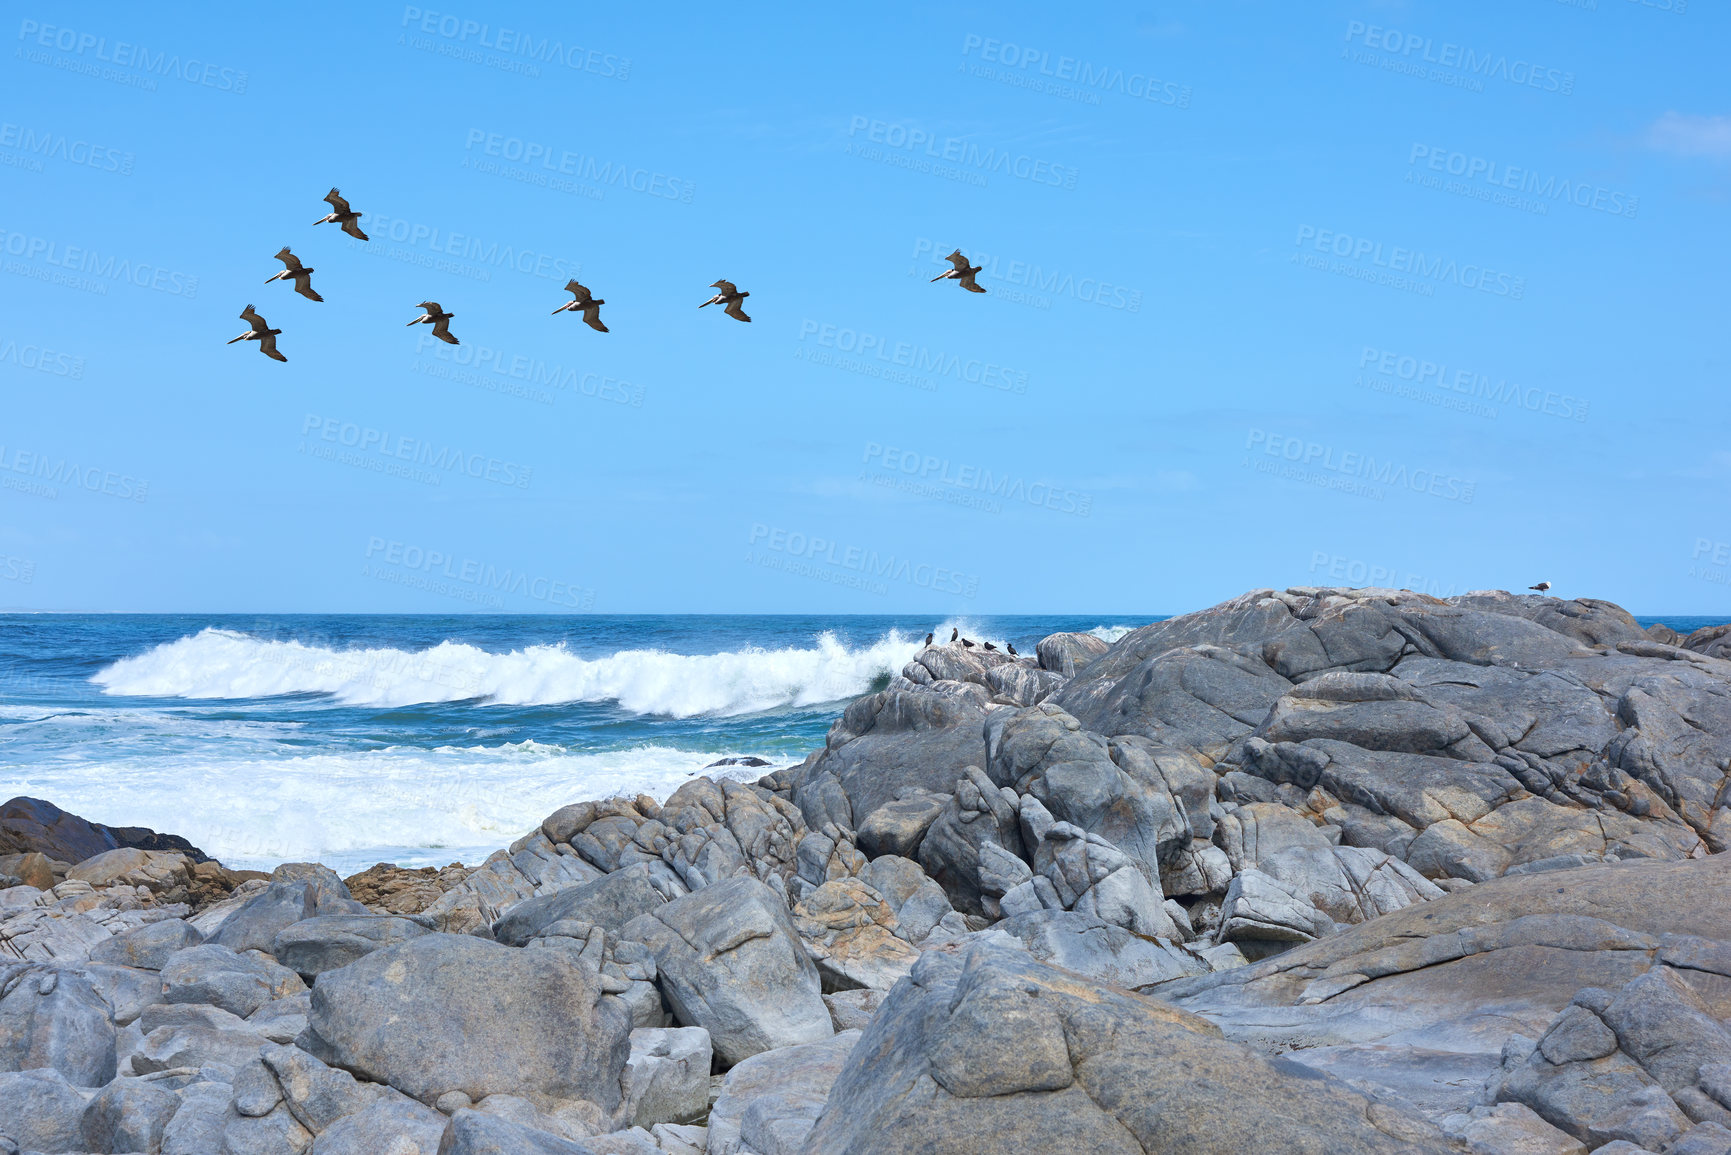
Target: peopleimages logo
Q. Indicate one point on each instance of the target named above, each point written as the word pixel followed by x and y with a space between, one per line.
pixel 1408 51
pixel 1409 263
pixel 1354 468
pixel 38 145
pixel 956 150
pixel 918 358
pixel 863 565
pixel 1038 70
pixel 1473 384
pixel 510 42
pixel 124 55
pixel 931 470
pixel 79 259
pixel 392 448
pixel 1478 170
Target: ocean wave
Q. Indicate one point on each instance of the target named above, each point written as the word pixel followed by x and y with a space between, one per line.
pixel 217 663
pixel 351 809
pixel 1110 634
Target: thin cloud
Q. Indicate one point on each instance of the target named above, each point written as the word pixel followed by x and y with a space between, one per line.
pixel 1708 136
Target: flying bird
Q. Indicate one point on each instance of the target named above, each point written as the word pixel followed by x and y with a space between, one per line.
pixel 730 296
pixel 586 303
pixel 962 272
pixel 1541 587
pixel 342 214
pixel 260 332
pixel 439 320
pixel 300 274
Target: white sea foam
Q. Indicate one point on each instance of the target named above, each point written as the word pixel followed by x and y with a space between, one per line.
pixel 1111 634
pixel 351 809
pixel 224 664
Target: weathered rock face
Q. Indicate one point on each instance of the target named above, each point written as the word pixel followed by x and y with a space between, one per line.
pixel 1423 1000
pixel 33 825
pixel 447 1013
pixel 730 961
pixel 995 1051
pixel 52 1017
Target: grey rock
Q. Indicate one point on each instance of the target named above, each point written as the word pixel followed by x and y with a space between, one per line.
pixel 55 1018
pixel 1098 950
pixel 128 1118
pixel 257 921
pixel 1665 1026
pixel 897 827
pixel 1577 1035
pixel 392 1126
pixel 730 961
pixel 274 1134
pixel 1510 1129
pixel 978 812
pixel 666 1079
pixel 280 1020
pixel 127 991
pixel 890 744
pixel 256 1092
pixel 1065 654
pixel 853 1010
pixel 1707 1138
pixel 326 942
pixel 471 1132
pixel 995 1051
pixel 238 983
pixel 147 947
pixel 197 1035
pixel 777 1094
pixel 453 1013
pixel 41 1111
pixel 1093 877
pixel 315 1094
pixel 1148 800
pixel 197 1127
pixel 919 903
pixel 611 902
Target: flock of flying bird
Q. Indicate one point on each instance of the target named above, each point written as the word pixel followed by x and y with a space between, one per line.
pixel 728 296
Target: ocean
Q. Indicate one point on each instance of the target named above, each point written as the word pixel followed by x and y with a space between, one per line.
pixel 417 739
pixel 424 740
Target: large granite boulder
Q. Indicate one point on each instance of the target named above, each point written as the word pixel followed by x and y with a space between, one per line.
pixel 446 1012
pixel 1422 1000
pixel 52 1017
pixel 610 901
pixel 730 961
pixel 325 942
pixel 995 1051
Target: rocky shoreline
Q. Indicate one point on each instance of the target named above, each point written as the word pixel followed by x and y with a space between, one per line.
pixel 1313 870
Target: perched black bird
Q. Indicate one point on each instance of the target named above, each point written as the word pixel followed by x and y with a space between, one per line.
pixel 1010 648
pixel 954 634
pixel 990 646
pixel 967 645
pixel 928 639
pixel 1541 587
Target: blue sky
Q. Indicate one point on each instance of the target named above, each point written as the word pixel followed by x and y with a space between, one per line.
pixel 1364 293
